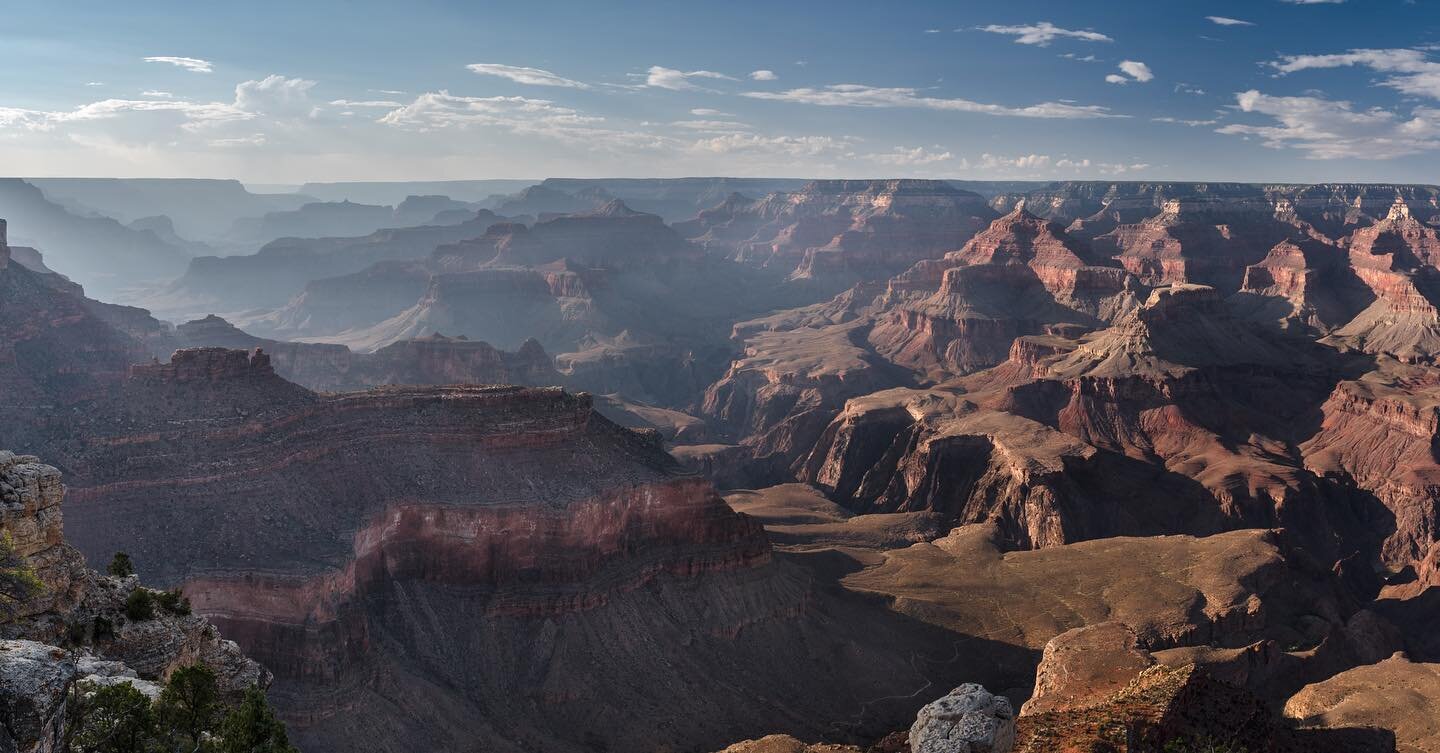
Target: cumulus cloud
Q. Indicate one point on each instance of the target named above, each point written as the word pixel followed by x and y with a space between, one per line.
pixel 1136 70
pixel 523 75
pixel 763 75
pixel 858 95
pixel 1043 33
pixel 1226 21
pixel 1413 70
pixel 1333 129
pixel 194 65
pixel 661 77
pixel 276 96
pixel 1115 78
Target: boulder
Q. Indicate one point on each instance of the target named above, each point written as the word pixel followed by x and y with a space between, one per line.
pixel 34 679
pixel 968 720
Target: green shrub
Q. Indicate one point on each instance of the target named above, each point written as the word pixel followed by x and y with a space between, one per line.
pixel 121 566
pixel 140 605
pixel 103 629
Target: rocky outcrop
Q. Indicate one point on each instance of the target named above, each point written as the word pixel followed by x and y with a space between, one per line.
pixel 1395 694
pixel 433 359
pixel 1379 432
pixel 1179 706
pixel 967 720
pixel 34 682
pixel 77 626
pixel 1085 665
pixel 1021 276
pixel 1398 258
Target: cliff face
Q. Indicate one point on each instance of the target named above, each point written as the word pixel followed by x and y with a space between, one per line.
pixel 413 556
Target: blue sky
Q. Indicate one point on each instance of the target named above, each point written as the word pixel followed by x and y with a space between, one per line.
pixel 1269 90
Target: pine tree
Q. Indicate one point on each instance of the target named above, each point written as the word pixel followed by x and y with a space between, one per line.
pixel 190 704
pixel 121 566
pixel 110 719
pixel 253 728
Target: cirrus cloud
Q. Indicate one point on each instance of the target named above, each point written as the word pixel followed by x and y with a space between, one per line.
pixel 524 75
pixel 859 95
pixel 661 77
pixel 194 65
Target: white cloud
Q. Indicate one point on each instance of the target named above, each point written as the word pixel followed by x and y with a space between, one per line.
pixel 1136 70
pixel 435 110
pixel 902 157
pixel 1226 21
pixel 1183 88
pixel 275 95
pixel 194 65
pixel 705 112
pixel 1414 72
pixel 790 146
pixel 714 126
pixel 858 95
pixel 366 103
pixel 1038 165
pixel 254 139
pixel 157 94
pixel 1184 122
pixel 94 83
pixel 1078 58
pixel 1115 78
pixel 932 31
pixel 1044 33
pixel 763 75
pixel 669 78
pixel 1333 129
pixel 523 75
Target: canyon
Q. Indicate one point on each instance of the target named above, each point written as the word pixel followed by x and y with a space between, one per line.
pixel 670 465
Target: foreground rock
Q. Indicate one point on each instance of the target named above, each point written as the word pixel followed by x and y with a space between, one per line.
pixel 968 720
